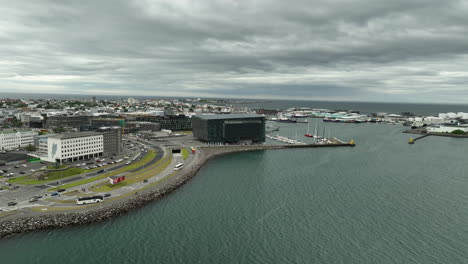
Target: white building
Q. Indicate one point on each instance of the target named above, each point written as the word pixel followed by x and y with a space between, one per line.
pixel 71 146
pixel 446 129
pixel 16 139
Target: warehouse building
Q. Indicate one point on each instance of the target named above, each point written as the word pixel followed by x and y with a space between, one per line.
pixel 229 129
pixel 10 140
pixel 71 146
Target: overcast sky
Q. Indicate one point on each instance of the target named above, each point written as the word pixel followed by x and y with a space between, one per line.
pixel 355 50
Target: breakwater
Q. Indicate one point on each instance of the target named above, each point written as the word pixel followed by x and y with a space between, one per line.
pixel 14 224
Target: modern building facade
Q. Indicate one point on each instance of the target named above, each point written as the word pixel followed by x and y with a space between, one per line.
pixel 174 123
pixel 230 128
pixel 112 139
pixel 71 146
pixel 10 140
pixel 67 121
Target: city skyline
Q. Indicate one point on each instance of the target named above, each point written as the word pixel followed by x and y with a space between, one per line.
pixel 326 50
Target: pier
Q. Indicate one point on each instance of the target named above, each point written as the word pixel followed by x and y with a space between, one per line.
pixel 411 140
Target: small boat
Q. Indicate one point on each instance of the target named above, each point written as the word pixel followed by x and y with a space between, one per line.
pixel 308 134
pixel 283 119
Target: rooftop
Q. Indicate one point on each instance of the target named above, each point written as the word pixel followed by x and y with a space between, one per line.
pixel 14 131
pixel 228 116
pixel 77 135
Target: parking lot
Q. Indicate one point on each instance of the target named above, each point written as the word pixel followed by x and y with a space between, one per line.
pixel 14 196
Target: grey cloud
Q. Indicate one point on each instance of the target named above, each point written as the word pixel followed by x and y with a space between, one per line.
pixel 350 50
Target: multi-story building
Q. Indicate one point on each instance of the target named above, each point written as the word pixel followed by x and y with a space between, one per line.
pixel 174 123
pixel 72 146
pixel 16 139
pixel 230 128
pixel 112 138
pixel 67 121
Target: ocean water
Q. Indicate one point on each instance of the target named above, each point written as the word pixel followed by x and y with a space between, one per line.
pixel 383 201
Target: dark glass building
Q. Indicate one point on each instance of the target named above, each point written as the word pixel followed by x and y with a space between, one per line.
pixel 231 128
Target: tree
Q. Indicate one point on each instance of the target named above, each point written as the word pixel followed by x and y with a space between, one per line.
pixel 31 148
pixel 59 130
pixel 458 132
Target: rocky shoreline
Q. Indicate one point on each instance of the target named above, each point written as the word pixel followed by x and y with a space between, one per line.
pixel 52 220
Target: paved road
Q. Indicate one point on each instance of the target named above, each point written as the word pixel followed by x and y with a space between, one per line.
pixel 22 195
pixel 177 158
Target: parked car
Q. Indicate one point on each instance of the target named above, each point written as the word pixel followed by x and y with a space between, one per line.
pixel 100 171
pixel 54 194
pixel 107 195
pixel 22 172
pixel 17 166
pixel 37 196
pixel 34 199
pixel 24 165
pixel 60 190
pixel 12 203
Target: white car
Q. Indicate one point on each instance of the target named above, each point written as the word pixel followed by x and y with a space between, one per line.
pixel 33 170
pixel 24 165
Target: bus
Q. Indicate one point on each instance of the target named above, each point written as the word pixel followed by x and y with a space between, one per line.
pixel 89 199
pixel 179 166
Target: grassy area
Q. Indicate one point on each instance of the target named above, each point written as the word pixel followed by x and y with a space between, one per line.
pixel 151 155
pixel 185 153
pixel 18 179
pixel 52 209
pixel 71 201
pixel 135 177
pixel 182 132
pixel 73 193
pixel 46 208
pixel 51 176
pixel 52 167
